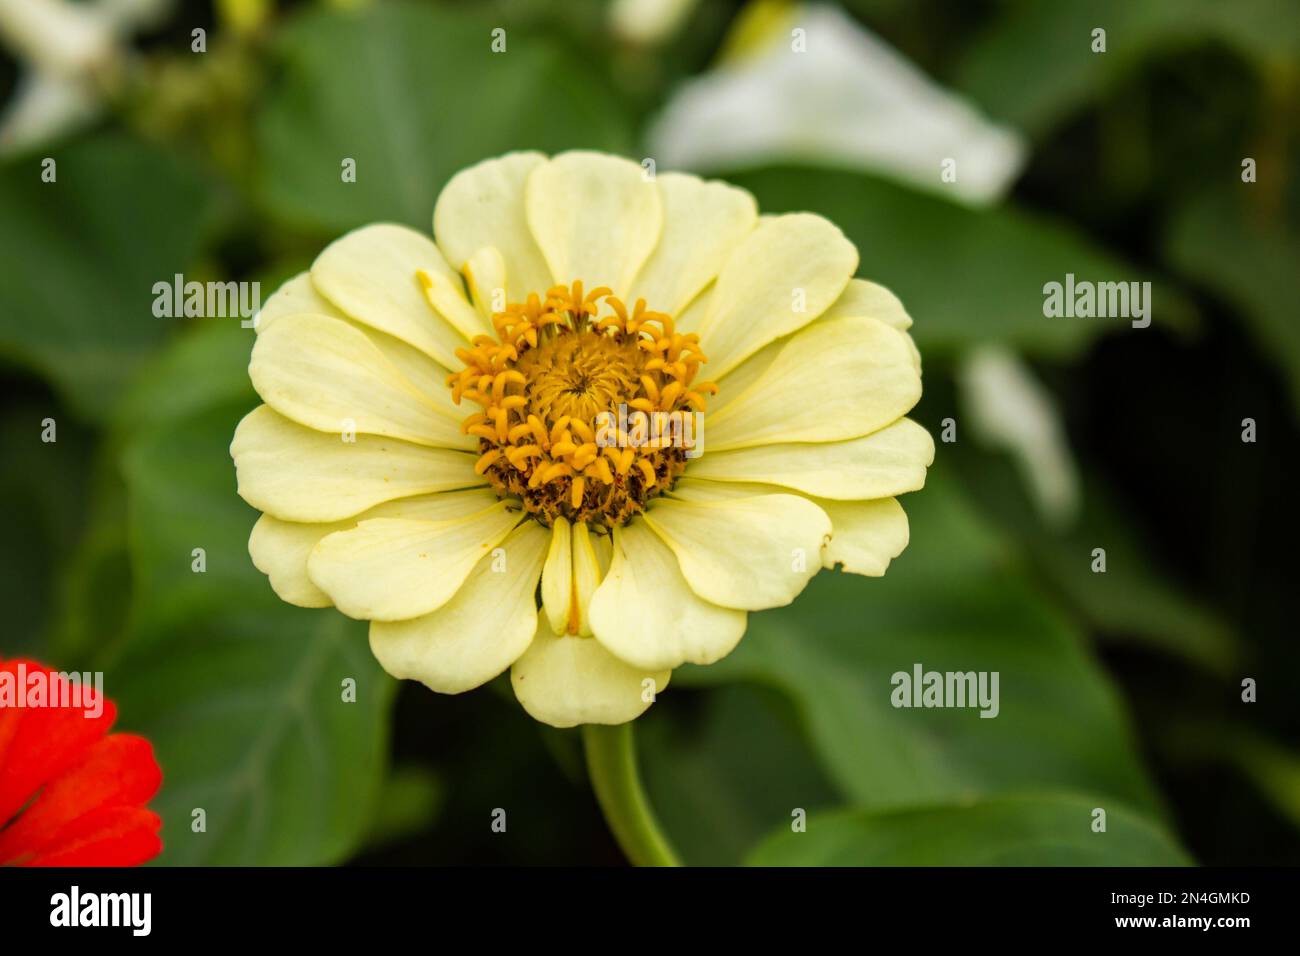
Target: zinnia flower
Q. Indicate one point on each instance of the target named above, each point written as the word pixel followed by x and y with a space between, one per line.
pixel 72 793
pixel 452 445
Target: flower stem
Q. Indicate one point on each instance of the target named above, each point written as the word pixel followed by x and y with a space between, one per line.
pixel 611 763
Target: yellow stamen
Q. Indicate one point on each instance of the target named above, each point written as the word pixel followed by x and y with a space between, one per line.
pixel 554 387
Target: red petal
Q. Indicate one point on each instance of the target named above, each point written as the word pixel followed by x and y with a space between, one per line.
pixel 115 836
pixel 38 744
pixel 118 770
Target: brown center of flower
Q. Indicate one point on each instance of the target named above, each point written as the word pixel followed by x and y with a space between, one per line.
pixel 582 415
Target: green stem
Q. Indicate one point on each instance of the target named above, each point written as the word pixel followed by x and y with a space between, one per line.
pixel 611 763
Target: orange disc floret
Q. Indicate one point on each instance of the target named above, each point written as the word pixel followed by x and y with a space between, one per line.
pixel 582 415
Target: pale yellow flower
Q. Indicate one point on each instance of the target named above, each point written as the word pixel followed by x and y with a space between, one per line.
pixel 432 456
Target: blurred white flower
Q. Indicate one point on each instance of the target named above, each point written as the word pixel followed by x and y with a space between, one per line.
pixel 846 98
pixel 647 22
pixel 1010 409
pixel 71 52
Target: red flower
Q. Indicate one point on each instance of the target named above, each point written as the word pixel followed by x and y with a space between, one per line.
pixel 72 793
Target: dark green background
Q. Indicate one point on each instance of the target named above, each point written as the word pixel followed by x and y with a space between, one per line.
pixel 1119 690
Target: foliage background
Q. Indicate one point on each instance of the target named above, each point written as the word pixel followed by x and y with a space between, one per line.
pixel 1119 690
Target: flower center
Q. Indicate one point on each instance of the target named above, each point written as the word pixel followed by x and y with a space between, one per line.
pixel 583 416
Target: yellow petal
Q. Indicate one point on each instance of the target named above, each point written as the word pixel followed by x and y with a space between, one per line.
pixel 748 553
pixel 478 633
pixel 873 301
pixel 566 681
pixel 557 577
pixel 865 536
pixel 299 297
pixel 371 275
pixel 703 223
pixel 782 276
pixel 390 569
pixel 485 274
pixel 645 613
pixel 296 296
pixel 831 381
pixel 280 549
pixel 595 217
pixel 326 374
pixel 692 316
pixel 484 206
pixel 587 575
pixel 880 465
pixel 299 474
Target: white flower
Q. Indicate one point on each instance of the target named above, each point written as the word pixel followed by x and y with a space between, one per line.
pixel 833 93
pixel 429 456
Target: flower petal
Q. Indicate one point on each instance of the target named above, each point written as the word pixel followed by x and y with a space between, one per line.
pixel 885 463
pixel 298 474
pixel 787 262
pixel 390 569
pixel 595 217
pixel 588 571
pixel 295 297
pixel 566 681
pixel 484 206
pixel 371 275
pixel 280 549
pixel 829 382
pixel 478 633
pixel 557 577
pixel 874 301
pixel 703 223
pixel 749 553
pixel 299 297
pixel 865 536
pixel 645 613
pixel 116 771
pixel 326 374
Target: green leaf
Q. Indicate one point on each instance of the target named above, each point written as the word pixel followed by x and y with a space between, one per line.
pixel 1035 65
pixel 723 769
pixel 1135 600
pixel 423 97
pixel 967 276
pixel 1248 257
pixel 42 485
pixel 951 602
pixel 81 258
pixel 1014 830
pixel 242 695
pixel 412 799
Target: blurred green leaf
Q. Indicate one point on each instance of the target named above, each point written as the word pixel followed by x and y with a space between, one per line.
pixel 1252 260
pixel 1035 64
pixel 241 694
pixel 412 798
pixel 951 602
pixel 42 486
pixel 422 96
pixel 723 769
pixel 967 276
pixel 1134 599
pixel 1013 830
pixel 82 255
